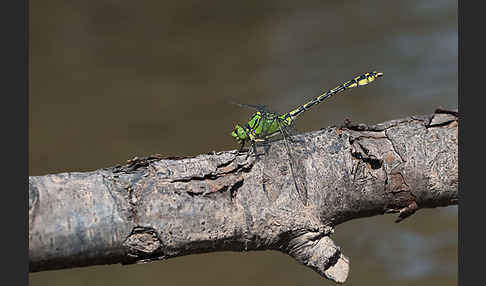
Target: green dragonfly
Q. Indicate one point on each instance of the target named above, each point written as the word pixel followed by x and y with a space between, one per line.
pixel 264 125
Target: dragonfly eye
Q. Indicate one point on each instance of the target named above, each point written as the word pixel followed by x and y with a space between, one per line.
pixel 239 133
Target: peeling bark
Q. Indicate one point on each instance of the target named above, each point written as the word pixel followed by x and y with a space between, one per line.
pixel 156 208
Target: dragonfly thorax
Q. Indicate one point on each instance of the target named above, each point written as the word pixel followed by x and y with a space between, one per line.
pixel 260 127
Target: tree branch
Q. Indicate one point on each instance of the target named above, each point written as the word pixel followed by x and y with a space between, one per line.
pixel 156 208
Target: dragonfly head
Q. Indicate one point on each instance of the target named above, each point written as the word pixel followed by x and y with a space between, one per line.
pixel 239 133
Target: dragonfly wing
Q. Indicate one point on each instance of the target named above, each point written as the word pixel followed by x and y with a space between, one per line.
pixel 258 107
pixel 286 132
pixel 290 130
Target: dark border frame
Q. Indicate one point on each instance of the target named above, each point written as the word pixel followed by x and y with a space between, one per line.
pixel 14 26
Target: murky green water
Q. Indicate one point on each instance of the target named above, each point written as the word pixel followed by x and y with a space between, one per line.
pixel 111 80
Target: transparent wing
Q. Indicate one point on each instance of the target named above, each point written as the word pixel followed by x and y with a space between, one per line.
pixel 257 107
pixel 290 130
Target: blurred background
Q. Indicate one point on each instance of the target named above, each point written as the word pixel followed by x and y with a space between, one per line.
pixel 115 79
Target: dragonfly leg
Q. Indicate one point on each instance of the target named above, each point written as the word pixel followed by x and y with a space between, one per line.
pixel 253 146
pixel 242 146
pixel 266 146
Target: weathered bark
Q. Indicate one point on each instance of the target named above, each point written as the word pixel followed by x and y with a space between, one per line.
pixel 156 208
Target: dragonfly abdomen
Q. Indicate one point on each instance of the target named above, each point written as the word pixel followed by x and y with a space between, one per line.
pixel 360 80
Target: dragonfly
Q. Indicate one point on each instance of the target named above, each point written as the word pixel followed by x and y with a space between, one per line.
pixel 265 125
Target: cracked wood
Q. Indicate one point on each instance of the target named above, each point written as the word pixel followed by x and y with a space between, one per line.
pixel 155 208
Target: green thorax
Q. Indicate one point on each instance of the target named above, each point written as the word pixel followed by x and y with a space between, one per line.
pixel 265 124
pixel 261 126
